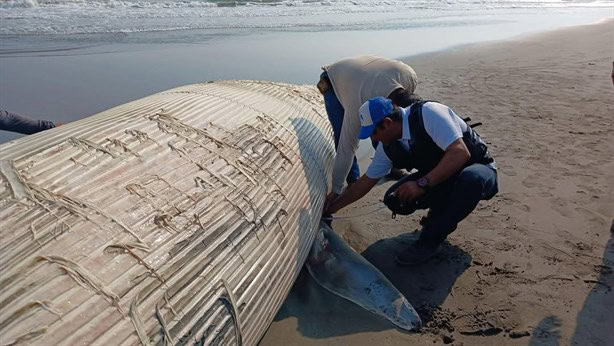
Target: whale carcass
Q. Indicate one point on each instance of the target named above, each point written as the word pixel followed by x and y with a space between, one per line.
pixel 180 218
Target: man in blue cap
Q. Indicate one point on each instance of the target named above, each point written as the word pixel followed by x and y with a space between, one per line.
pixel 454 169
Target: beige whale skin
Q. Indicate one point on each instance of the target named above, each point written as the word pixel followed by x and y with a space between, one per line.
pixel 183 217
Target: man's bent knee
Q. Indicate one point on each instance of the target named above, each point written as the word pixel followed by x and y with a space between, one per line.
pixel 480 179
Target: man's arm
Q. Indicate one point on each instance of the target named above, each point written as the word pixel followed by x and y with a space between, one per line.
pixel 355 192
pixel 348 144
pixel 454 158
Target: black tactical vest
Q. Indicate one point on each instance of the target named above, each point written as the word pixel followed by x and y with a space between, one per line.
pixel 423 153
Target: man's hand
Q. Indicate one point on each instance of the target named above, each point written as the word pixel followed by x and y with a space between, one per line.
pixel 408 191
pixel 330 198
pixel 323 86
pixel 354 192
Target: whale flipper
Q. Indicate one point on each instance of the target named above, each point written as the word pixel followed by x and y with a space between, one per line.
pixel 341 270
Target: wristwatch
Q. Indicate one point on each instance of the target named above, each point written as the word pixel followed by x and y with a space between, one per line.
pixel 423 183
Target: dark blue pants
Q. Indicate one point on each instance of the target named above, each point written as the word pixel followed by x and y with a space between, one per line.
pixel 453 200
pixel 18 123
pixel 335 111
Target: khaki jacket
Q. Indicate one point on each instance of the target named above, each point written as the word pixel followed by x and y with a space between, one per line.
pixel 356 80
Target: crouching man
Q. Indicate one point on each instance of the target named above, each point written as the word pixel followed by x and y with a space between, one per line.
pixel 454 169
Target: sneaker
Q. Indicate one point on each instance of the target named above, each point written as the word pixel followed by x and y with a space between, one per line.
pixel 415 254
pixel 426 218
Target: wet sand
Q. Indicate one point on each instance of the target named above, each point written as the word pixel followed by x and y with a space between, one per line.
pixel 531 266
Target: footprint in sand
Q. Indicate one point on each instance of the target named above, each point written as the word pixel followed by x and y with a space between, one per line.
pixel 595 220
pixel 507 169
pixel 531 182
pixel 510 197
pixel 560 205
pixel 590 189
pixel 489 322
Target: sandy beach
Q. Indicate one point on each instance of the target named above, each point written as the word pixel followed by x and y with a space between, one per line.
pixel 533 266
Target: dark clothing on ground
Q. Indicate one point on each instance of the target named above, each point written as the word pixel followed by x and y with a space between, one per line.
pixel 21 124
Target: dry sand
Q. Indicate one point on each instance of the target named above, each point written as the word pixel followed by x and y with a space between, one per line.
pixel 533 266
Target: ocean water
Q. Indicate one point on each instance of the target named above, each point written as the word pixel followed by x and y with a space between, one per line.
pixel 100 17
pixel 66 59
pixel 50 26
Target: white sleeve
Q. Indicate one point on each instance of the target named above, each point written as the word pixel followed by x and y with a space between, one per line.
pixel 442 124
pixel 381 164
pixel 348 144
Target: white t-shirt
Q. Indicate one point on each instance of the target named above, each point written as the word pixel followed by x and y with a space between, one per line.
pixel 441 124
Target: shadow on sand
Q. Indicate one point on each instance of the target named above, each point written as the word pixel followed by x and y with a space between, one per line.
pixel 547 332
pixel 596 319
pixel 595 322
pixel 427 284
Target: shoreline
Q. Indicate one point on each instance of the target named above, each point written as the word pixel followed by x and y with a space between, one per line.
pixel 510 39
pixel 534 264
pixel 90 80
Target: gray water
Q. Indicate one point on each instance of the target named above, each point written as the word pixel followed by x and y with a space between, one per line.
pixel 66 59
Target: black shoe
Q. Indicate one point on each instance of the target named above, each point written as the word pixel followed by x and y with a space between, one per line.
pixel 426 218
pixel 415 254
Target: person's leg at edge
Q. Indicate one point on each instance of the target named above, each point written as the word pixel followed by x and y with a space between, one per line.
pixel 335 111
pixel 21 124
pixel 474 183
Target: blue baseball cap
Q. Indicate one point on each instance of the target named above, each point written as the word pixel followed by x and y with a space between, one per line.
pixel 371 113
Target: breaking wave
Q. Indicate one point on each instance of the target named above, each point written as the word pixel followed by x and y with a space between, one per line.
pixel 32 17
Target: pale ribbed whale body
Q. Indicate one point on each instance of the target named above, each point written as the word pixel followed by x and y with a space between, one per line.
pixel 180 218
